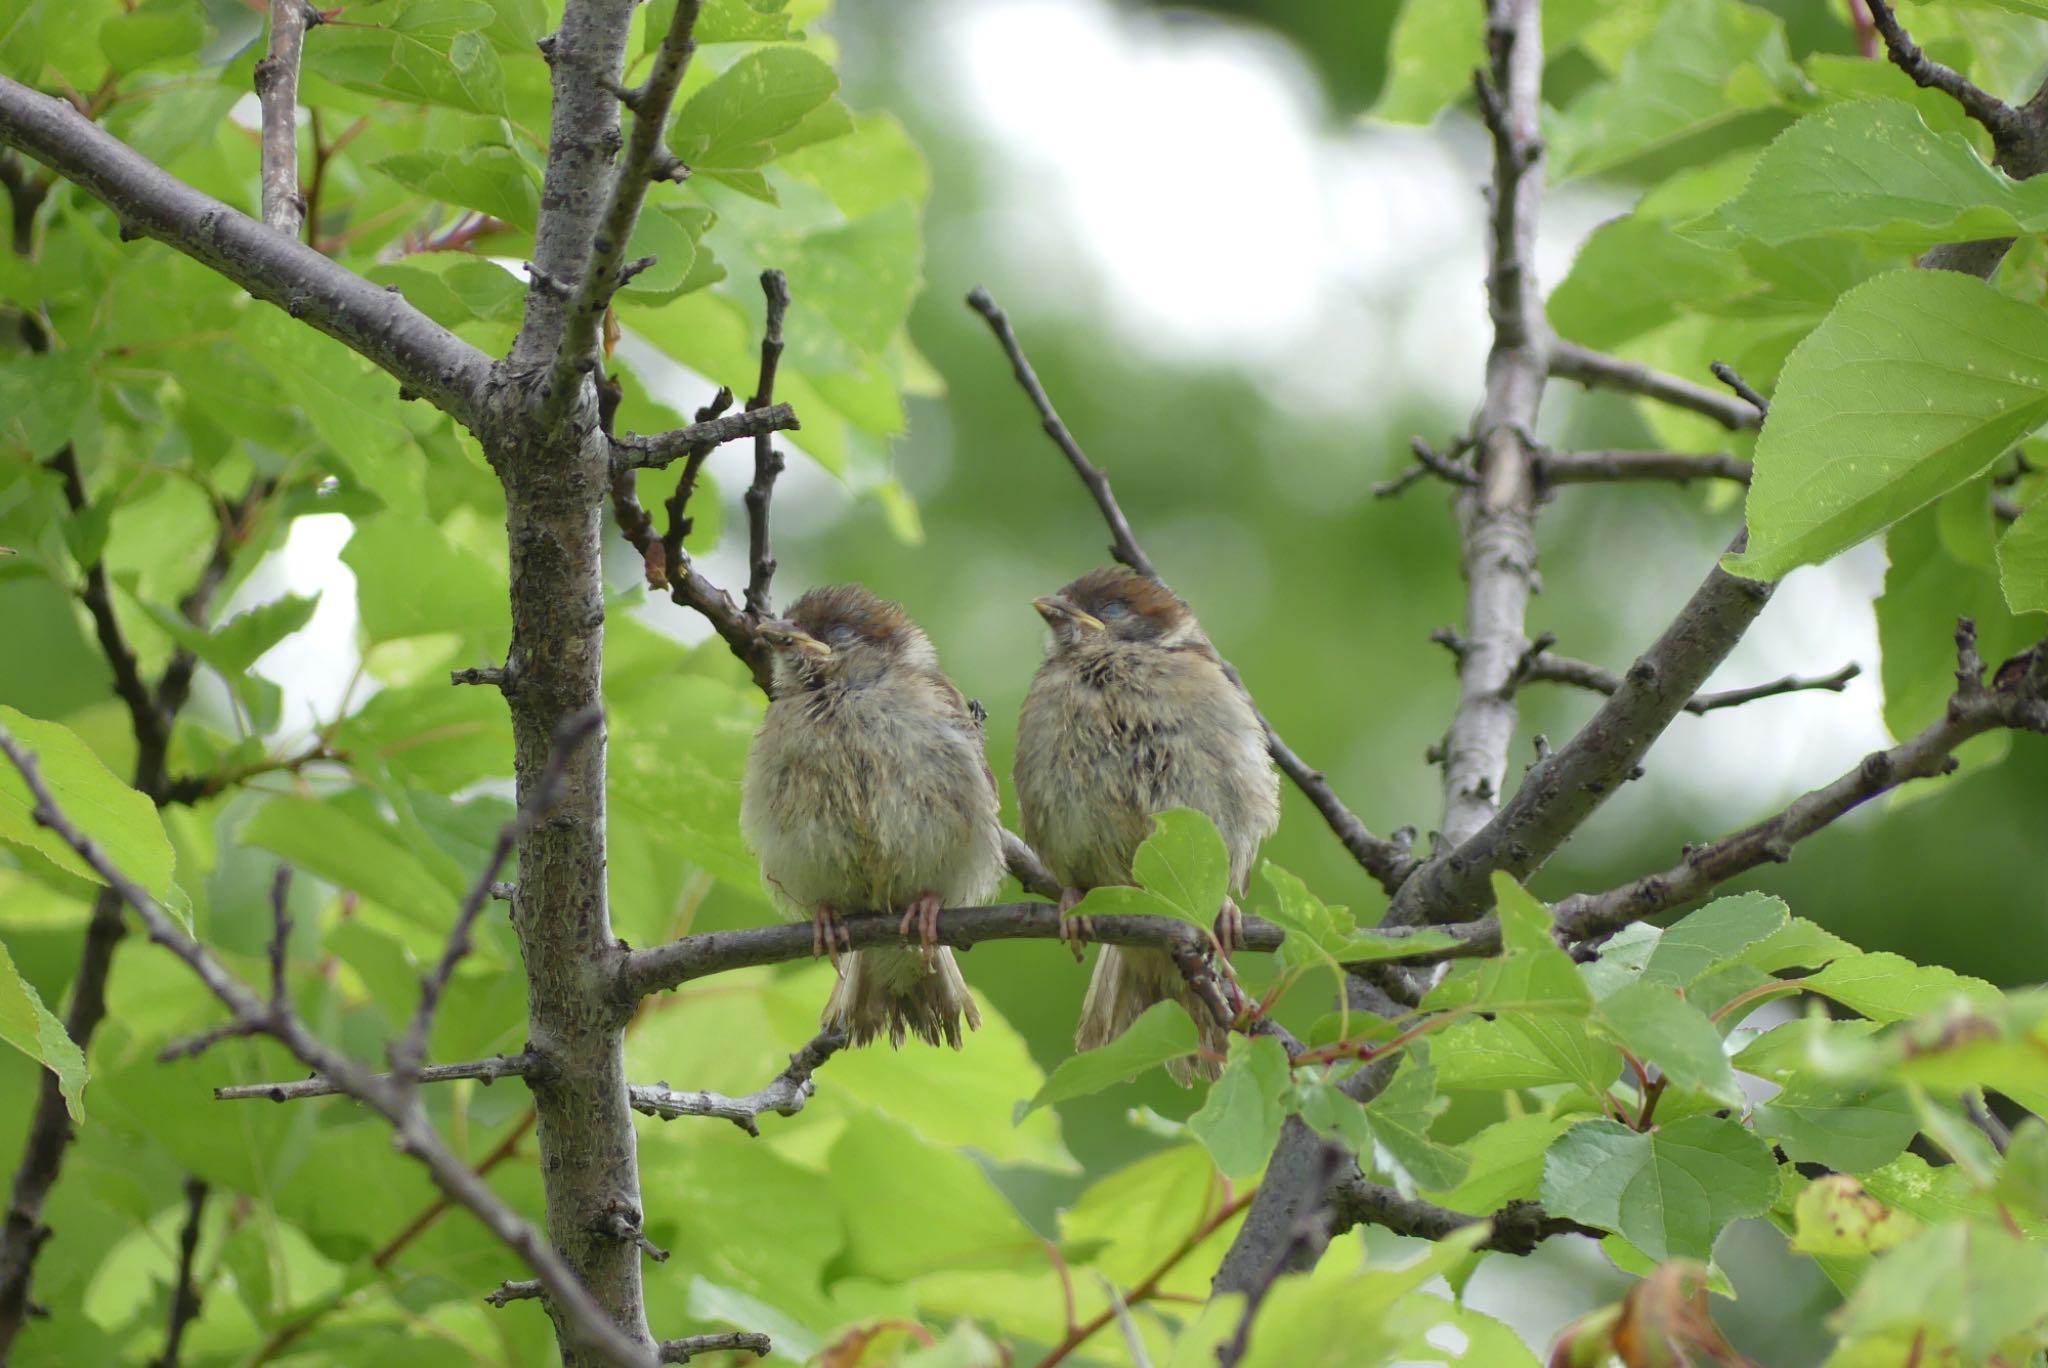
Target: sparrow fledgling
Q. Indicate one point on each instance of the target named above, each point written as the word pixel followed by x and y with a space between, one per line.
pixel 867 790
pixel 1131 714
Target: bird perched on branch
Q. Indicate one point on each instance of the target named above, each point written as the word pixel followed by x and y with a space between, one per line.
pixel 1130 715
pixel 867 789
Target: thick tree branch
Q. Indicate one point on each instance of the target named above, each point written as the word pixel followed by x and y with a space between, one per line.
pixel 1497 514
pixel 2022 704
pixel 1597 370
pixel 1560 792
pixel 767 460
pixel 602 274
pixel 716 952
pixel 1388 861
pixel 658 452
pixel 1311 1233
pixel 425 358
pixel 277 90
pixel 413 1133
pixel 1590 467
pixel 1518 1227
pixel 785 1094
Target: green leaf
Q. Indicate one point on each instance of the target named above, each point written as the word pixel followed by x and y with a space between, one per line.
pixel 1182 871
pixel 1669 1193
pixel 669 235
pixel 337 841
pixel 1932 577
pixel 120 821
pixel 1875 170
pixel 1429 60
pixel 1721 931
pixel 1974 1287
pixel 1635 274
pixel 151 32
pixel 1914 384
pixel 1506 1160
pixel 1162 1032
pixel 1888 987
pixel 492 178
pixel 29 1026
pixel 426 51
pixel 1850 1128
pixel 920 1208
pixel 42 397
pixel 1401 1117
pixel 1532 975
pixel 1239 1121
pixel 412 581
pixel 2023 561
pixel 2023 1178
pixel 1524 1052
pixel 1705 64
pixel 1656 1024
pixel 733 123
pixel 1834 1215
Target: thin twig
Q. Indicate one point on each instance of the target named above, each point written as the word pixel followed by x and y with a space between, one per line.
pixel 1744 391
pixel 1597 370
pixel 1387 861
pixel 767 460
pixel 185 1293
pixel 784 1095
pixel 1541 665
pixel 277 91
pixel 512 1290
pixel 1973 709
pixel 1428 461
pixel 733 1341
pixel 1589 467
pixel 485 1071
pixel 1518 1227
pixel 658 452
pixel 1999 119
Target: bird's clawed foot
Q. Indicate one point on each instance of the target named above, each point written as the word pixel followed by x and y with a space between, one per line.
pixel 1075 931
pixel 1229 929
pixel 923 913
pixel 828 933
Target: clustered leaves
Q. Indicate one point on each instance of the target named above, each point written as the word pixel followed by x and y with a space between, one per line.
pixel 1741 1063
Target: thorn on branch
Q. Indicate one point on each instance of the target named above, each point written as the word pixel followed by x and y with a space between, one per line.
pixel 494 676
pixel 545 284
pixel 512 1290
pixel 622 1223
pixel 1727 375
pixel 633 268
pixel 670 168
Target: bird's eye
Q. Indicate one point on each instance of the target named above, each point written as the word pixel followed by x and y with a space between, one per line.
pixel 841 634
pixel 1114 608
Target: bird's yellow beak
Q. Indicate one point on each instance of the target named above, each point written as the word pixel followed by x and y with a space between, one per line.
pixel 1056 610
pixel 784 635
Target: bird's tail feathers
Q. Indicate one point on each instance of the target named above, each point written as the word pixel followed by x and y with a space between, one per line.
pixel 1126 981
pixel 900 993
